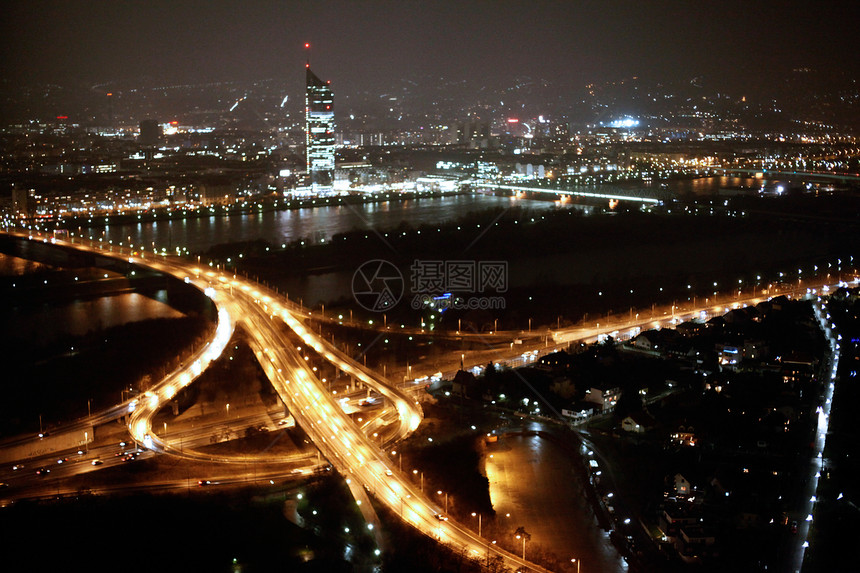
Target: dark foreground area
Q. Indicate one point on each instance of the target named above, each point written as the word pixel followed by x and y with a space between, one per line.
pixel 155 533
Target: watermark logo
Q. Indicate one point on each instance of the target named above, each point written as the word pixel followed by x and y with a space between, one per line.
pixel 467 277
pixel 377 285
pixel 459 284
pixel 435 284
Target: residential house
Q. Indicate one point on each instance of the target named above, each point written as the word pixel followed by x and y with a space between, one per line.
pixel 604 397
pixel 637 423
pixel 676 515
pixel 695 542
pixel 690 328
pixel 682 486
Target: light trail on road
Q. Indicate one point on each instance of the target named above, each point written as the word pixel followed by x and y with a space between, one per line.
pixel 356 456
pixel 359 458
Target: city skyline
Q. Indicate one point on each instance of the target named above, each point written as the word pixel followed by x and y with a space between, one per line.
pixel 558 286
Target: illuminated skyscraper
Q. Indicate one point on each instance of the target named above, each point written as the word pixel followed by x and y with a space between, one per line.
pixel 319 133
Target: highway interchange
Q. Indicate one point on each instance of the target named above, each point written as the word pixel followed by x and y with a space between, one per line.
pixel 358 457
pixel 286 346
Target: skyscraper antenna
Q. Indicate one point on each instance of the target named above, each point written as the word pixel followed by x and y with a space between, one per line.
pixel 308 48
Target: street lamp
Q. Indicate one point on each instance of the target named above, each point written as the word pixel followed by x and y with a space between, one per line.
pixel 521 533
pixel 422 478
pixel 578 563
pixel 440 492
pixel 479 522
pixel 488 552
pixel 523 537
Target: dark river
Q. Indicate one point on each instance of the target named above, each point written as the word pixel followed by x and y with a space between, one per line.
pixel 45 323
pixel 316 224
pixel 49 321
pixel 321 223
pixel 280 227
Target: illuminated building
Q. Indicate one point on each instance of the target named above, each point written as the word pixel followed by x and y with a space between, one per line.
pixel 23 201
pixel 319 133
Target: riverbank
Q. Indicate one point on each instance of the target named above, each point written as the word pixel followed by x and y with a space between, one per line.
pixel 268 204
pixel 559 264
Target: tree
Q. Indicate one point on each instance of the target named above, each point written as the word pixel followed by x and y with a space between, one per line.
pixel 524 535
pixel 464 383
pixel 490 371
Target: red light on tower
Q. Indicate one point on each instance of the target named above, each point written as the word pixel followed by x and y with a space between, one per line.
pixel 307 45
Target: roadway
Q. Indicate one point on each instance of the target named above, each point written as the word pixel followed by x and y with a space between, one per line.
pixel 283 345
pixel 802 505
pixel 573 192
pixel 360 459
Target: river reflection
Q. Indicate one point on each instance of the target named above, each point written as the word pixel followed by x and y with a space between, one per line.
pixel 46 323
pixel 705 186
pixel 319 223
pixel 280 227
pixel 11 266
pixel 322 223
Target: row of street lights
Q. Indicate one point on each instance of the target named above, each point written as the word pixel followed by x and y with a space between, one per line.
pixel 520 533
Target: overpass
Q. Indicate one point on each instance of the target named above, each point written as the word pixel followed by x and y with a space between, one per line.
pixel 641 197
pixel 275 325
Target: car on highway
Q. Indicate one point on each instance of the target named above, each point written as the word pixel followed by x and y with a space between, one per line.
pixel 203 482
pixel 97 462
pixel 43 471
pixel 441 517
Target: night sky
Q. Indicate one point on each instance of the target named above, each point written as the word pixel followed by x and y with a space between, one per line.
pixel 360 43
